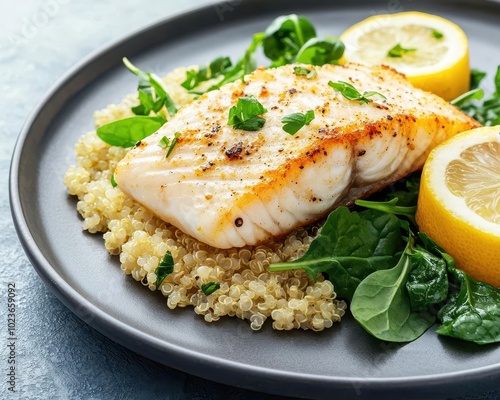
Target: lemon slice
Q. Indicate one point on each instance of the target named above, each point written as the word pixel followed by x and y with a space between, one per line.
pixel 431 51
pixel 459 201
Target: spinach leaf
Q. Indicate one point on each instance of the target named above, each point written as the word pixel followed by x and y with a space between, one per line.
pixel 128 131
pixel 284 37
pixel 382 306
pixel 210 287
pixel 165 268
pixel 320 51
pixel 350 247
pixel 427 282
pixel 390 207
pixel 473 312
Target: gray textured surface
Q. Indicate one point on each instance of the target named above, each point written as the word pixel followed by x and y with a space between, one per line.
pixel 58 356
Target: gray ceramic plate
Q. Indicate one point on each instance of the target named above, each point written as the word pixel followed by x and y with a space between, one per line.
pixel 344 360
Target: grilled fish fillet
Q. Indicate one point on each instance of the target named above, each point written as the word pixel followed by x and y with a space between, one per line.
pixel 229 188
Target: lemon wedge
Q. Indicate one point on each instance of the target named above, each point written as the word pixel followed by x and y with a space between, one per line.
pixel 431 51
pixel 459 201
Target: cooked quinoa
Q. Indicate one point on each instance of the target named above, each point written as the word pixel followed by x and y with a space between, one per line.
pixel 247 290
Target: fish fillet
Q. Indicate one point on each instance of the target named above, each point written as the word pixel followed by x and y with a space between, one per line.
pixel 230 188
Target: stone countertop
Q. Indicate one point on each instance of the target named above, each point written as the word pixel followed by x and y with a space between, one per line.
pixel 57 355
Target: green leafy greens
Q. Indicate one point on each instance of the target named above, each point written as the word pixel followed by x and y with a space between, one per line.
pixel 128 131
pixel 303 71
pixel 152 96
pixel 382 306
pixel 351 93
pixel 350 247
pixel 165 143
pixel 488 112
pixel 246 113
pixel 217 67
pixel 398 51
pixel 473 312
pixel 165 268
pixel 437 34
pixel 296 121
pixel 210 287
pixel 397 289
pixel 288 39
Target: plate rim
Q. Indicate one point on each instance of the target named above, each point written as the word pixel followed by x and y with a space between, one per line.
pixel 125 334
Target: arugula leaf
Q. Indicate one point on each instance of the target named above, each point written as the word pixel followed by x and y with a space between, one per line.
pixel 382 305
pixel 210 287
pixel 295 122
pixel 320 51
pixel 284 37
pixel 217 67
pixel 398 51
pixel 473 312
pixel 351 93
pixel 128 131
pixel 350 247
pixel 245 114
pixel 390 207
pixel 165 268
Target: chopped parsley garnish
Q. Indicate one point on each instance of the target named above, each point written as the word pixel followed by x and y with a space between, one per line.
pixel 303 71
pixel 210 287
pixel 351 93
pixel 165 268
pixel 436 34
pixel 245 114
pixel 113 182
pixel 294 122
pixel 398 51
pixel 165 143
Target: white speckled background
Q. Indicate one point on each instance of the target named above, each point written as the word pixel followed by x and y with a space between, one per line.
pixel 57 355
